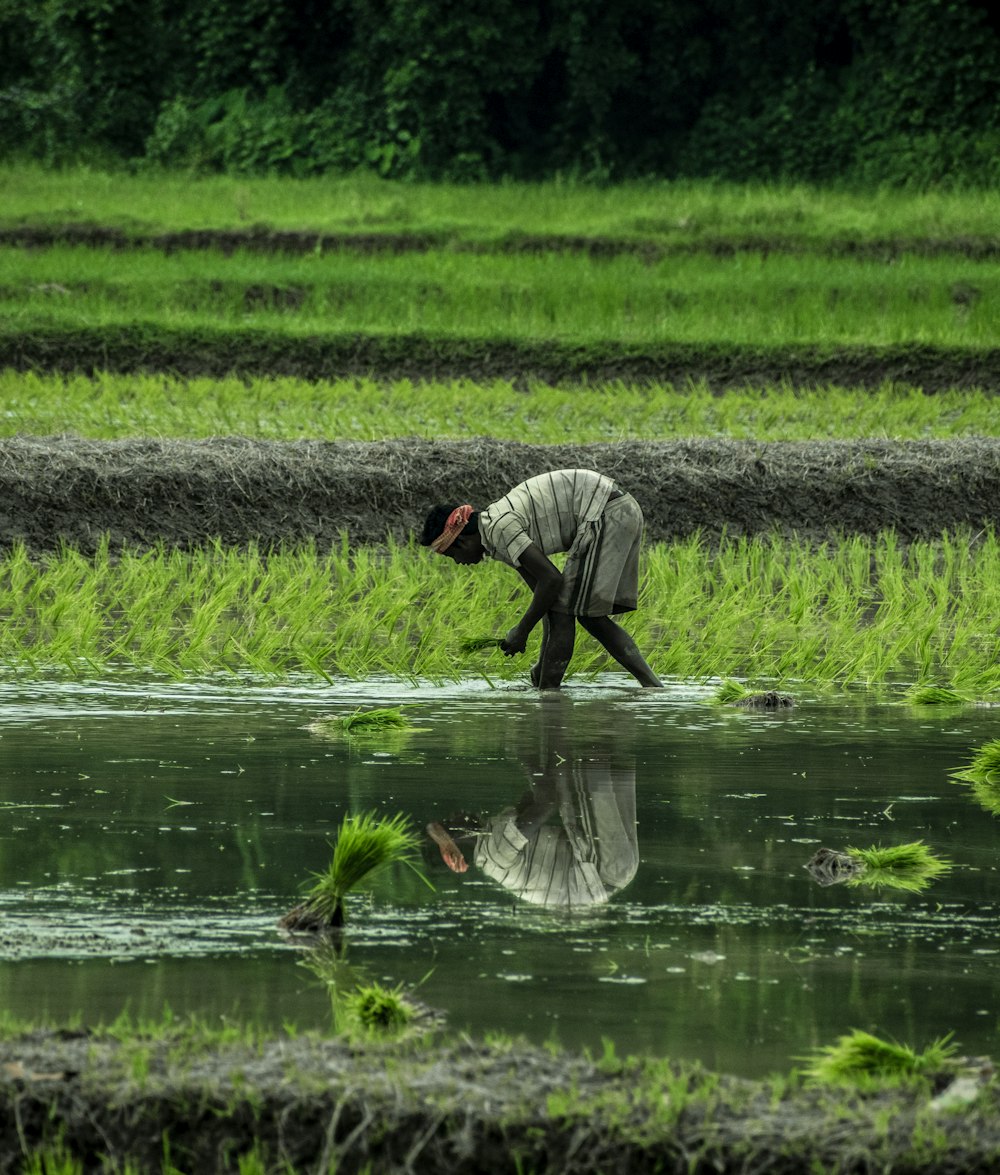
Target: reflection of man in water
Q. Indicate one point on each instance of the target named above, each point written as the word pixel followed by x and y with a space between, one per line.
pixel 570 842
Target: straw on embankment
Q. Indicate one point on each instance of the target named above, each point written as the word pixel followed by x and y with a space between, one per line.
pixel 65 489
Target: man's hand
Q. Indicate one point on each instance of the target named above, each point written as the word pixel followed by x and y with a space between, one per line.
pixel 515 641
pixel 451 854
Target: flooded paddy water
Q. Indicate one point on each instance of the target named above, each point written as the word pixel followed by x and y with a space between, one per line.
pixel 153 832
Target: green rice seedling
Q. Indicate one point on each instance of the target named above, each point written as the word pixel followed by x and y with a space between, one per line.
pixel 983 776
pixel 379 1010
pixel 984 766
pixel 767 608
pixel 935 695
pixel 910 867
pixel 478 644
pixel 730 691
pixel 364 722
pixel 365 845
pixel 861 1059
pixel 560 296
pixel 110 406
pixel 688 211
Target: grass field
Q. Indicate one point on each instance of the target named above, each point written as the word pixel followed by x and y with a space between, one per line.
pixel 478 266
pixel 674 211
pixel 117 406
pixel 747 298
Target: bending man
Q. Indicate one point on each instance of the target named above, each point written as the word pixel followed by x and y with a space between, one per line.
pixel 598 526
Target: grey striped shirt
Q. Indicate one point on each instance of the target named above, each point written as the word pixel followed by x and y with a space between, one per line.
pixel 545 510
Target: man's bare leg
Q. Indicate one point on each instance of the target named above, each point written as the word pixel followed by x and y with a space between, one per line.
pixel 557 650
pixel 536 669
pixel 620 645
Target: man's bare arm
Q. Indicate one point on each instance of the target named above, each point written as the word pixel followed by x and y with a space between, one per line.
pixel 545 581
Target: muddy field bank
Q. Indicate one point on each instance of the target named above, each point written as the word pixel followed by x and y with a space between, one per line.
pixel 214 352
pixel 65 489
pixel 308 1104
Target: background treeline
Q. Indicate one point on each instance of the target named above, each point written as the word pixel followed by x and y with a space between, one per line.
pixel 888 91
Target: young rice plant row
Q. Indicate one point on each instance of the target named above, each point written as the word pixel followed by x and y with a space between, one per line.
pixel 111 407
pixel 856 611
pixel 748 298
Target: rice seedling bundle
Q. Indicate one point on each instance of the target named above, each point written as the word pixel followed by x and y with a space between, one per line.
pixel 375 722
pixel 935 695
pixel 860 1058
pixel 982 773
pixel 480 644
pixel 909 867
pixel 365 845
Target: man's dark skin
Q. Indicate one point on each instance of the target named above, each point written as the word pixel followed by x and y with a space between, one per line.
pixel 559 628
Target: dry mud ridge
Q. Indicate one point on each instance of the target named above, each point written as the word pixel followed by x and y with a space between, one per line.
pixel 67 490
pixel 307 1104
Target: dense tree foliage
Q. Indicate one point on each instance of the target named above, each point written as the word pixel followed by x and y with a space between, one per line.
pixel 899 91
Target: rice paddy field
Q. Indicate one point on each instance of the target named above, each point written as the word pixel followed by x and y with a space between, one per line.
pixel 225 406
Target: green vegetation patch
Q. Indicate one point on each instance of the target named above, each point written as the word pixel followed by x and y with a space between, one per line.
pixel 115 406
pixel 982 773
pixel 858 610
pixel 364 205
pixel 360 723
pixel 750 301
pixel 301 1103
pixel 860 1058
pixel 910 867
pixel 366 844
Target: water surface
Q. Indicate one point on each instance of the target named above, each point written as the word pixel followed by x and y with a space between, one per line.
pixel 152 833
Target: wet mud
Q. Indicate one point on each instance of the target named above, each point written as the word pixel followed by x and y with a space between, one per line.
pixel 68 490
pixel 311 1104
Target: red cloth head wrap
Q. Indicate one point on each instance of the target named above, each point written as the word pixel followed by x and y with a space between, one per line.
pixel 456 523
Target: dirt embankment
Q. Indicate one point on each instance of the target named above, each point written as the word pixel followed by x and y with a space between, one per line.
pixel 308 1105
pixel 672 241
pixel 68 490
pixel 213 352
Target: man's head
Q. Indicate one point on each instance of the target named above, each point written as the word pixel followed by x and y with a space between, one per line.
pixel 453 531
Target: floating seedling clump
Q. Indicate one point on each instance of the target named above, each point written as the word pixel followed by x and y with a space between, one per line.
pixel 383 720
pixel 365 845
pixel 985 765
pixel 909 867
pixel 983 773
pixel 734 693
pixel 366 1009
pixel 859 1058
pixel 935 695
pixel 379 1010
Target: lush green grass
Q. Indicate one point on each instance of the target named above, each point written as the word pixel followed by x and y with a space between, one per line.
pixel 747 298
pixel 116 406
pixel 675 211
pixel 856 611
